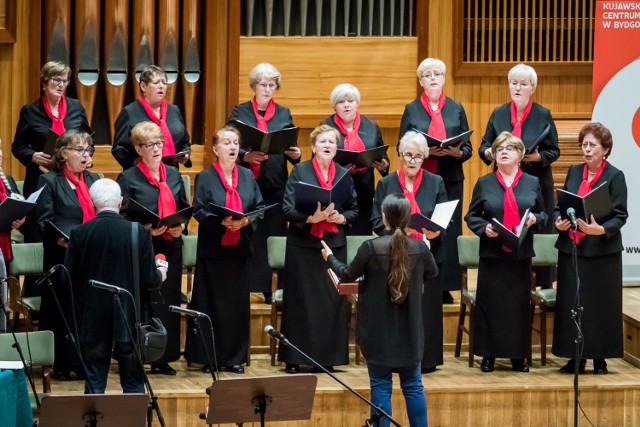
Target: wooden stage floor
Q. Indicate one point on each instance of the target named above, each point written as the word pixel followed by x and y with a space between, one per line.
pixel 456 394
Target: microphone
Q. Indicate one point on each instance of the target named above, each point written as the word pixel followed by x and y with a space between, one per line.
pixel 571 213
pixel 191 313
pixel 48 274
pixel 274 332
pixel 106 287
pixel 161 261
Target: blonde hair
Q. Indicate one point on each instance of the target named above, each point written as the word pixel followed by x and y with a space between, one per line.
pixel 52 69
pixel 144 131
pixel 323 129
pixel 511 140
pixel 266 71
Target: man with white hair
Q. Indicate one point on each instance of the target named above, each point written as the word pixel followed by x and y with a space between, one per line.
pixel 101 250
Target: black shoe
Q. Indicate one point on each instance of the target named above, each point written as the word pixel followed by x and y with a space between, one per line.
pixel 163 368
pixel 61 375
pixel 519 365
pixel 570 367
pixel 600 367
pixel 268 297
pixel 327 367
pixel 236 369
pixel 80 376
pixel 206 369
pixel 487 364
pixel 447 298
pixel 292 368
pixel 429 370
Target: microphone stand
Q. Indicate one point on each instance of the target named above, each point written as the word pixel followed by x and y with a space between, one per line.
pixel 153 404
pixel 198 331
pixel 576 316
pixel 377 411
pixel 17 346
pixel 69 335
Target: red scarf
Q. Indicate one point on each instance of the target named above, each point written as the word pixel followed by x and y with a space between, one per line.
pixel 232 201
pixel 319 228
pixel 82 191
pixel 511 216
pixel 411 195
pixel 166 201
pixel 352 140
pixel 168 148
pixel 261 123
pixel 517 125
pixel 5 237
pixel 585 188
pixel 57 123
pixel 436 128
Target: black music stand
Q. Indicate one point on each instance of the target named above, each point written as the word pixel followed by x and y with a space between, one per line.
pixel 94 410
pixel 257 399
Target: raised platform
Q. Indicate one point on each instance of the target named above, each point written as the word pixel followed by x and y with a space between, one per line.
pixel 456 394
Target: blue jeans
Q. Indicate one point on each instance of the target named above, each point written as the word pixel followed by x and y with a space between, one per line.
pixel 411 384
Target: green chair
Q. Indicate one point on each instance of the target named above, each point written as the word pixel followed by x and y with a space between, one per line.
pixel 189 250
pixel 186 180
pixel 27 261
pixel 468 257
pixel 38 350
pixel 545 299
pixel 276 248
pixel 20 185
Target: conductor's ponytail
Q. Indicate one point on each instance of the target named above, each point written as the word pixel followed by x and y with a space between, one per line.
pixel 397 212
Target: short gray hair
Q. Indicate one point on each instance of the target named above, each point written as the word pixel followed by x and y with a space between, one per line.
pixel 264 70
pixel 105 194
pixel 417 138
pixel 342 92
pixel 431 63
pixel 524 70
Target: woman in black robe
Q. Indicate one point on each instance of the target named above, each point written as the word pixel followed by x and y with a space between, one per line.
pixel 357 133
pixel 269 171
pixel 160 189
pixel 314 316
pixel 66 203
pixel 501 318
pixel 220 287
pixel 424 189
pixel 437 115
pixel 599 254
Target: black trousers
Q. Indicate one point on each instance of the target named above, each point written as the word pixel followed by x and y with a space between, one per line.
pixel 97 358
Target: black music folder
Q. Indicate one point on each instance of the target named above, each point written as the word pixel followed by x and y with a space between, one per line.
pixel 439 220
pixel 596 203
pixel 276 142
pixel 362 159
pixel 141 214
pixel 449 142
pixel 50 143
pixel 509 238
pixel 171 159
pixel 52 232
pixel 530 147
pixel 308 195
pixel 12 209
pixel 223 212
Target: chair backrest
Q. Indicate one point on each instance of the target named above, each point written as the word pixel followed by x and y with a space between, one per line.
pixel 353 243
pixel 27 259
pixel 186 180
pixel 189 249
pixel 20 185
pixel 546 252
pixel 468 251
pixel 37 347
pixel 276 248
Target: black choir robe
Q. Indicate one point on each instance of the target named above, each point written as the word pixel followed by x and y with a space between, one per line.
pixel 501 317
pixel 31 134
pixel 600 272
pixel 364 181
pixel 136 186
pixel 314 316
pixel 450 169
pixel 430 193
pixel 59 204
pixel 271 180
pixel 220 287
pixel 134 113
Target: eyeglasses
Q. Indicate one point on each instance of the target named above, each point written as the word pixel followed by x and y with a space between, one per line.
pixel 508 149
pixel 58 81
pixel 434 74
pixel 409 158
pixel 266 86
pixel 150 145
pixel 84 150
